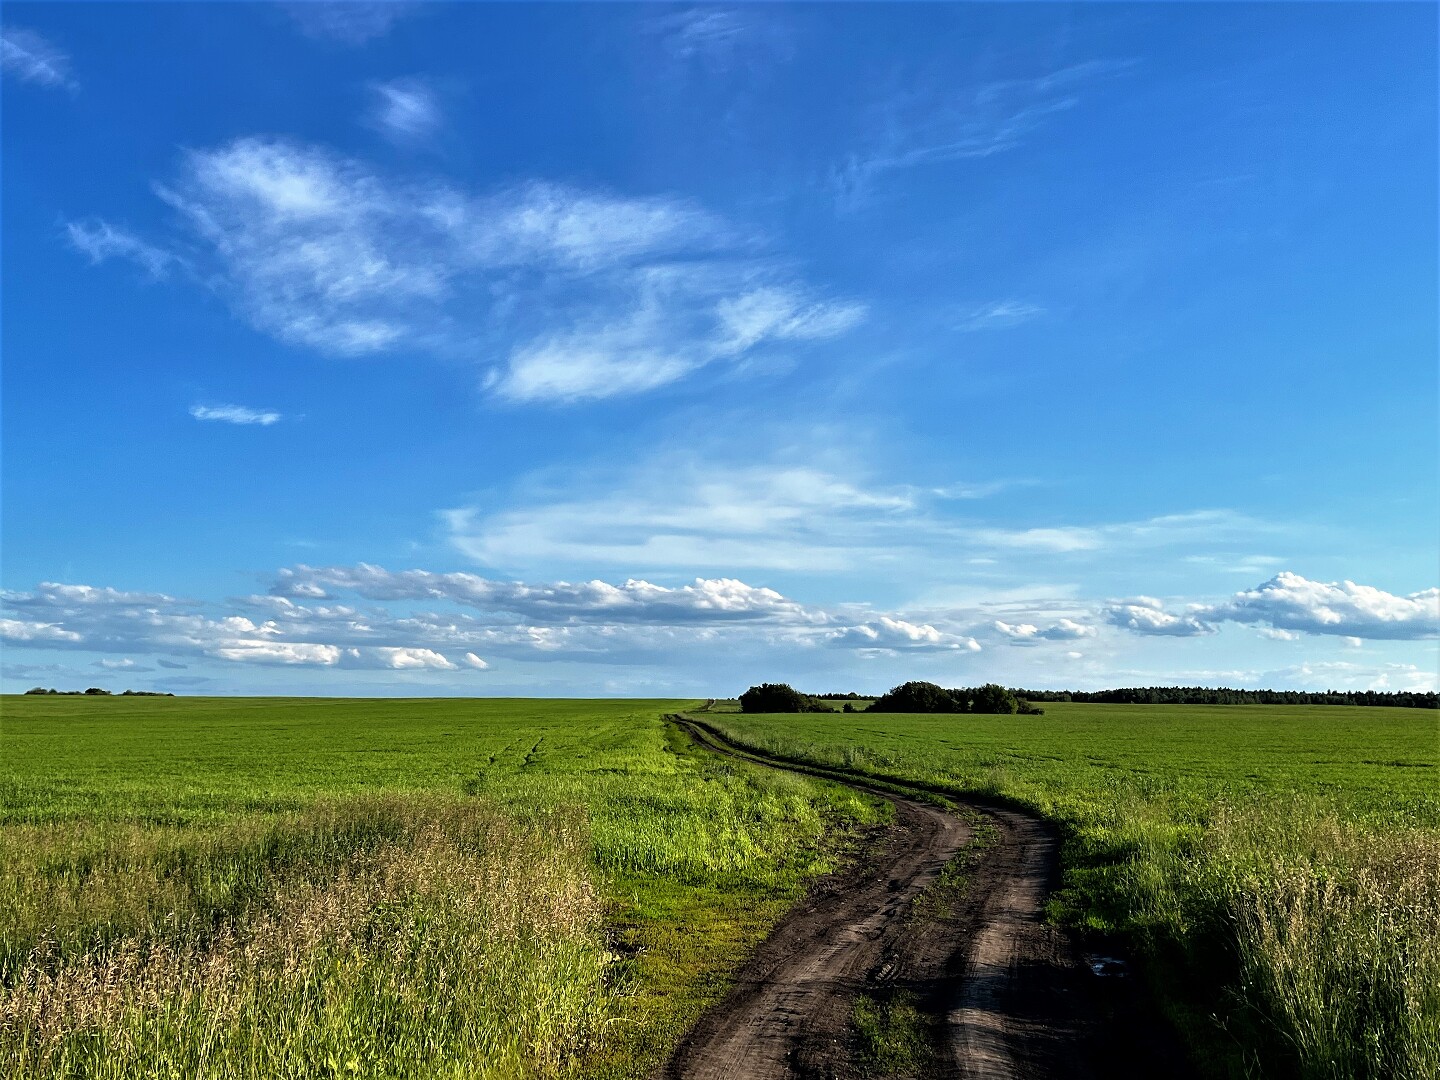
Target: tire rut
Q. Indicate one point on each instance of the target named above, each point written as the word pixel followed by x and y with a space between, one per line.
pixel 1009 995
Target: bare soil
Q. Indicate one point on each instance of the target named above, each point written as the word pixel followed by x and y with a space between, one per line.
pixel 1008 995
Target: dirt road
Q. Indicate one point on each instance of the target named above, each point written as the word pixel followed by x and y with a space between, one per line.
pixel 1007 995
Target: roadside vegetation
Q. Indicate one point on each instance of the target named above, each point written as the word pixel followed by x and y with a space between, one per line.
pixel 1276 869
pixel 307 888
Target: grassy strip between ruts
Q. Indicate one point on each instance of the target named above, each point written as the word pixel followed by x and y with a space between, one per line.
pixel 1277 869
pixel 425 888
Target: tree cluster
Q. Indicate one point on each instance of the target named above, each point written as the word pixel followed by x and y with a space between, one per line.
pixel 94 691
pixel 1223 695
pixel 927 697
pixel 778 698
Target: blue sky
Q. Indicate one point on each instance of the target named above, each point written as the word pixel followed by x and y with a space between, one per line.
pixel 612 349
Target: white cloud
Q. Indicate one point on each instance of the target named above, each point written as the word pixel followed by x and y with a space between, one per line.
pixel 463 616
pixel 405 110
pixel 276 652
pixel 1029 633
pixel 1278 635
pixel 724 599
pixel 708 32
pixel 99 240
pixel 560 294
pixel 803 511
pixel 897 634
pixel 928 125
pixel 1291 602
pixel 1288 605
pixel 680 322
pixel 29 57
pixel 235 414
pixel 717 39
pixel 1345 675
pixel 682 512
pixel 21 630
pixel 50 594
pixel 999 315
pixel 349 22
pixel 1146 615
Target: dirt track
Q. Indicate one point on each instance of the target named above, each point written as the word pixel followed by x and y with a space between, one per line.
pixel 1009 995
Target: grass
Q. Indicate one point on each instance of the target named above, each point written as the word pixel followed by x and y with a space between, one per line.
pixel 892 1035
pixel 1277 869
pixel 250 887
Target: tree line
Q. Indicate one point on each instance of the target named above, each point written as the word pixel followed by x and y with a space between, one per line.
pixel 927 697
pixel 94 691
pixel 1224 695
pixel 910 697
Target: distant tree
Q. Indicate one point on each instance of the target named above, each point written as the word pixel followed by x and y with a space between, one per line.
pixel 774 698
pixel 95 690
pixel 916 697
pixel 849 707
pixel 1027 709
pixel 993 698
pixel 39 690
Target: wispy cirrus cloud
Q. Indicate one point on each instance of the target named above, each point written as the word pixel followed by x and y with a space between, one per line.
pixel 349 22
pixel 235 414
pixel 999 315
pixel 404 110
pixel 100 240
pixel 719 38
pixel 30 57
pixel 560 294
pixel 694 508
pixel 933 125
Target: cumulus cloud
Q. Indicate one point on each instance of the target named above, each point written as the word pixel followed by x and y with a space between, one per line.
pixel 31 58
pixel 419 620
pixel 1146 615
pixel 1288 605
pixel 721 599
pixel 1345 675
pixel 1294 603
pixel 21 630
pixel 404 110
pixel 898 635
pixel 235 414
pixel 99 240
pixel 1029 633
pixel 561 294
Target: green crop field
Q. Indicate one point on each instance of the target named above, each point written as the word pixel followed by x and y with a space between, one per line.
pixel 265 887
pixel 522 888
pixel 1276 868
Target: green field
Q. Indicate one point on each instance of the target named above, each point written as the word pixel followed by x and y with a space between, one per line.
pixel 262 887
pixel 1276 868
pixel 306 887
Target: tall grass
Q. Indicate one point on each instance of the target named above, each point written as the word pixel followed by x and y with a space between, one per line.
pixel 391 936
pixel 1337 930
